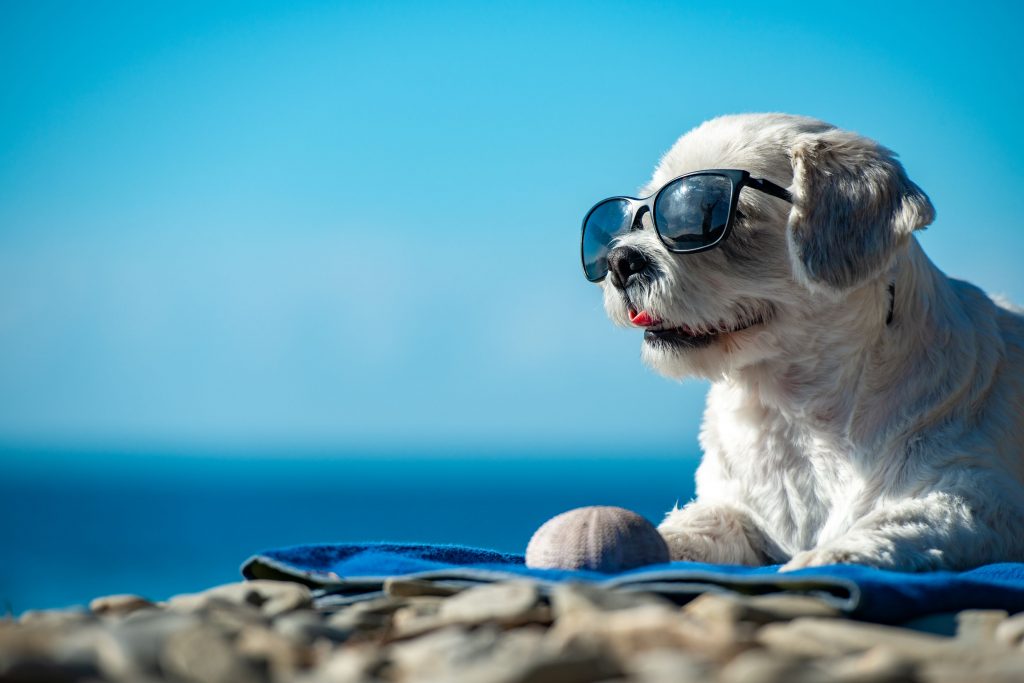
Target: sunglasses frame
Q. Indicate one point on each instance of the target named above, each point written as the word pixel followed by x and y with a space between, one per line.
pixel 739 180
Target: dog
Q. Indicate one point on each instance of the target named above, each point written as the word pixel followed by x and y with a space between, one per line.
pixel 864 407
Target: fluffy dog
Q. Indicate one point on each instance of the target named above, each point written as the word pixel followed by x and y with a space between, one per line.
pixel 864 407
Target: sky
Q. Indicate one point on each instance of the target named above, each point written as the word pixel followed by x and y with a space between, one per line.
pixel 301 225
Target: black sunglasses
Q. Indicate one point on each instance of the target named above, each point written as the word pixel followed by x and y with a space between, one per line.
pixel 691 213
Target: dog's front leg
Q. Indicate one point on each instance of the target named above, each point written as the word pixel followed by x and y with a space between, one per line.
pixel 938 531
pixel 713 532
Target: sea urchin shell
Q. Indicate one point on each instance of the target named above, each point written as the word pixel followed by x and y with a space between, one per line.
pixel 599 538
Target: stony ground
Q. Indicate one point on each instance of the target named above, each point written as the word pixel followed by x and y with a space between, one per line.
pixel 499 633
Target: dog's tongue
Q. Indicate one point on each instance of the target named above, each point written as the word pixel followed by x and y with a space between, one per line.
pixel 640 319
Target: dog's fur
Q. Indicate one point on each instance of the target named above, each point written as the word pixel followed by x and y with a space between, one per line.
pixel 831 435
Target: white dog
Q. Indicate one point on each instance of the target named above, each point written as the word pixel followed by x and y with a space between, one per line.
pixel 865 408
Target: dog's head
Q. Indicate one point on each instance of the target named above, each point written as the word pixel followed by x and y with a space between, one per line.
pixel 785 269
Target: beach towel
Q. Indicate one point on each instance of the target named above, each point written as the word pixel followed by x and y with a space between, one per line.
pixel 348 572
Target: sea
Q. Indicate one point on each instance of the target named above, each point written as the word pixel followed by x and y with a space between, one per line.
pixel 75 525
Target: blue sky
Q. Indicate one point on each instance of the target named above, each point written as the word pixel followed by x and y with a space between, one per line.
pixel 237 226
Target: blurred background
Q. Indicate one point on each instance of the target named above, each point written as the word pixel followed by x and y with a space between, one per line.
pixel 274 273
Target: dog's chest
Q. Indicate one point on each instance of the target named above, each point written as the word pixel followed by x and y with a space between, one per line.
pixel 803 487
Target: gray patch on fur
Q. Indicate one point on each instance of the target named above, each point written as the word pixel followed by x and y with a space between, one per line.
pixel 853 206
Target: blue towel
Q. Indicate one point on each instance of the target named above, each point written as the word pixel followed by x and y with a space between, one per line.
pixel 354 571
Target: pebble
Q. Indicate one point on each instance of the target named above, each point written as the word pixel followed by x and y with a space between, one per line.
pixel 56 619
pixel 627 632
pixel 397 587
pixel 668 666
pixel 511 603
pixel 1006 669
pixel 270 597
pixel 508 604
pixel 511 632
pixel 1011 631
pixel 879 664
pixel 143 634
pixel 817 637
pixel 358 664
pixel 720 609
pixel 762 666
pixel 371 619
pixel 979 626
pixel 273 652
pixel 442 650
pixel 418 615
pixel 307 626
pixel 119 605
pixel 202 654
pixel 590 599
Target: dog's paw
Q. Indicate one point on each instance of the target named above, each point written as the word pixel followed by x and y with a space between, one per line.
pixel 819 557
pixel 874 553
pixel 708 533
pixel 686 546
pixel 690 546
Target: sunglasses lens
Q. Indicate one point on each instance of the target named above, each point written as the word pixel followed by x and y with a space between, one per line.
pixel 603 224
pixel 692 212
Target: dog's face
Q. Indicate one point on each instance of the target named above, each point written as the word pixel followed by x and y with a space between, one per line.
pixel 785 270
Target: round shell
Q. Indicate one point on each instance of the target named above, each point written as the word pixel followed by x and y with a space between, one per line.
pixel 599 538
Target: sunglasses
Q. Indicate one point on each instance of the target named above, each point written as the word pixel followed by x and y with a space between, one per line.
pixel 691 213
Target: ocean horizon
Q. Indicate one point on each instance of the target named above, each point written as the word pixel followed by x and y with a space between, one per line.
pixel 77 524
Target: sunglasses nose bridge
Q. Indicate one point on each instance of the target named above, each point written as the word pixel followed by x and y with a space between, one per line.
pixel 643 214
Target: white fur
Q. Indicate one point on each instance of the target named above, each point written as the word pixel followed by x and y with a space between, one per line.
pixel 830 436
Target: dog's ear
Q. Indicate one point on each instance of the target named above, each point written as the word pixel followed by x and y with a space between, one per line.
pixel 853 206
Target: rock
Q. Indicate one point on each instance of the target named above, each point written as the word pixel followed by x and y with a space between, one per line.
pixel 119 605
pixel 306 627
pixel 1006 668
pixel 510 603
pixel 273 652
pixel 570 598
pixel 573 666
pixel 628 632
pixel 201 654
pixel 487 654
pixel 56 618
pixel 815 637
pixel 417 616
pixel 270 597
pixel 763 666
pixel 231 618
pixel 720 609
pixel 142 635
pixel 368 619
pixel 880 664
pixel 979 625
pixel 397 587
pixel 668 666
pixel 438 651
pixel 599 538
pixel 876 665
pixel 35 653
pixel 359 664
pixel 96 647
pixel 31 670
pixel 1011 631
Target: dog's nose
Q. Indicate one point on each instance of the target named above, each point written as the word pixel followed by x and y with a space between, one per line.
pixel 625 262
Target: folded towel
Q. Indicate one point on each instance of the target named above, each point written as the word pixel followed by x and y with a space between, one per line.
pixel 356 571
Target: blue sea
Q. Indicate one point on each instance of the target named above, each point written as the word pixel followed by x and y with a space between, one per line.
pixel 76 525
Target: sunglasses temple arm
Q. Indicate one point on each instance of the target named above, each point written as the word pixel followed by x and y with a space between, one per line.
pixel 768 187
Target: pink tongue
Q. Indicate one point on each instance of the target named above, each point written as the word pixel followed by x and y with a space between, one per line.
pixel 641 319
